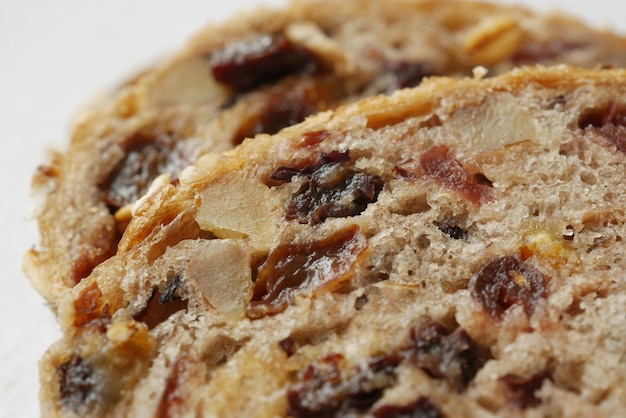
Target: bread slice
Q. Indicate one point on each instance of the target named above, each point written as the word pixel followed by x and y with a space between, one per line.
pixel 257 73
pixel 453 250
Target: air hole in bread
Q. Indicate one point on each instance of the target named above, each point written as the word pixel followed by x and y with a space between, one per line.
pixel 162 304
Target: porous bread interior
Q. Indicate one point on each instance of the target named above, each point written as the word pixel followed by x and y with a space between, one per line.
pixel 520 130
pixel 78 230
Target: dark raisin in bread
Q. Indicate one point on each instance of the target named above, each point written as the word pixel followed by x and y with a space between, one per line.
pixel 258 73
pixel 453 250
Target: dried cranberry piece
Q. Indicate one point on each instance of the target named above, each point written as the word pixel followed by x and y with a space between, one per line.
pixel 324 392
pixel 409 74
pixel 265 59
pixel 521 391
pixel 319 264
pixel 422 407
pixel 439 164
pixel 453 356
pixel 78 383
pixel 505 281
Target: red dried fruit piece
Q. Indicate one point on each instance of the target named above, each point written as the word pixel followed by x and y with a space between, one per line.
pixel 409 74
pixel 505 281
pixel 265 59
pixel 91 310
pixel 323 392
pixel 314 138
pixel 317 265
pixel 452 356
pixel 77 385
pixel 147 157
pixel 610 123
pixel 439 164
pixel 521 391
pixel 422 407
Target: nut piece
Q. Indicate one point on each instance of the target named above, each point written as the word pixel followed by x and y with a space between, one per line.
pixel 492 40
pixel 221 270
pixel 236 207
pixel 185 82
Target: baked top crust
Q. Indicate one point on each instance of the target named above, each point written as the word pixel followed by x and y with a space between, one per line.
pixel 257 73
pixel 450 250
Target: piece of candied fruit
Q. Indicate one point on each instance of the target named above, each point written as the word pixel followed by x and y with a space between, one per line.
pixel 439 164
pixel 506 281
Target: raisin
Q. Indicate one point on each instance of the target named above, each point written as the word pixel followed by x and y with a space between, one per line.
pixel 283 108
pixel 439 164
pixel 326 263
pixel 289 346
pixel 521 391
pixel 147 156
pixel 422 407
pixel 409 74
pixel 505 281
pixel 452 356
pixel 324 392
pixel 534 53
pixel 330 189
pixel 451 229
pixel 265 59
pixel 91 310
pixel 161 306
pixel 609 122
pixel 77 384
pixel 360 302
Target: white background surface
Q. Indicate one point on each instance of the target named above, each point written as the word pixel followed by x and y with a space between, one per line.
pixel 57 55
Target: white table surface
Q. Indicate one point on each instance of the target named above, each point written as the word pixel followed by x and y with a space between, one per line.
pixel 57 55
